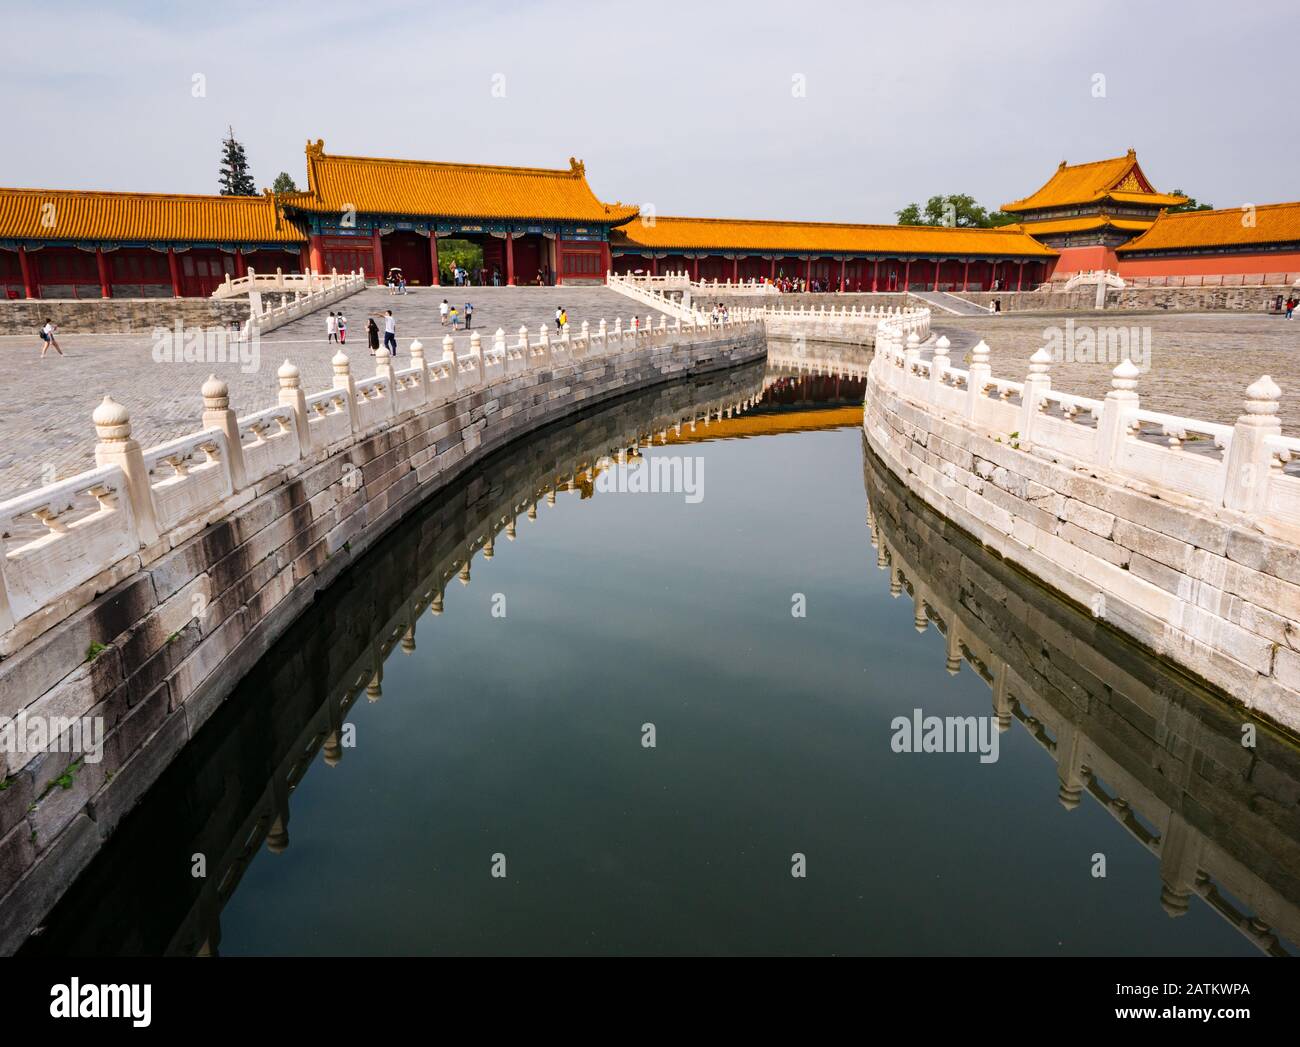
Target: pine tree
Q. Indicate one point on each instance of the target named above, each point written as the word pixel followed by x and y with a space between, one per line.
pixel 284 183
pixel 234 178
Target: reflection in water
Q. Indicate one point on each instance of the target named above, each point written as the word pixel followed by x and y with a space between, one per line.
pixel 523 735
pixel 1162 757
pixel 229 790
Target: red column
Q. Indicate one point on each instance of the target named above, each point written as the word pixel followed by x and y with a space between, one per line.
pixel 843 265
pixel 654 264
pixel 105 283
pixel 510 259
pixel 316 254
pixel 304 259
pixel 606 260
pixel 377 246
pixel 772 270
pixel 175 268
pixel 965 276
pixel 735 269
pixel 436 280
pixel 938 262
pixel 1020 276
pixel 25 264
pixel 907 276
pixel 241 264
pixel 875 274
pixel 695 268
pixel 807 275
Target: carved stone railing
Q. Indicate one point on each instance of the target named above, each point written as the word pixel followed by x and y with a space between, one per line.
pixel 136 497
pixel 283 283
pixel 311 291
pixel 1244 467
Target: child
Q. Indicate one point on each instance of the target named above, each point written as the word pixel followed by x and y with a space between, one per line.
pixel 455 319
pixel 343 328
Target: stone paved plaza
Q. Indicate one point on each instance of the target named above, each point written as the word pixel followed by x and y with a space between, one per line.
pixel 1200 365
pixel 45 405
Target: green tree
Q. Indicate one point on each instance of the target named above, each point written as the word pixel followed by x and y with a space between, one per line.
pixel 284 183
pixel 1192 203
pixel 957 210
pixel 234 177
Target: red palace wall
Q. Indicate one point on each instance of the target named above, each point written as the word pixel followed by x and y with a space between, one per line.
pixel 1262 262
pixel 1085 259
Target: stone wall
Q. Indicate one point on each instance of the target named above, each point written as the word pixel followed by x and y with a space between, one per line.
pixel 177 626
pixel 1207 590
pixel 118 315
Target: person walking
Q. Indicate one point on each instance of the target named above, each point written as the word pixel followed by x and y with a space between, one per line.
pixel 372 335
pixel 455 319
pixel 49 341
pixel 1291 304
pixel 390 330
pixel 469 315
pixel 331 328
pixel 343 328
pixel 559 312
pixel 442 312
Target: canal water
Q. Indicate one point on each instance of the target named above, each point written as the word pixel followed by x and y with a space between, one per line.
pixel 668 723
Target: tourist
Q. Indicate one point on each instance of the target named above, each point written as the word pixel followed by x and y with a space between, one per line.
pixel 47 337
pixel 372 335
pixel 1291 304
pixel 469 315
pixel 442 312
pixel 559 311
pixel 343 328
pixel 390 330
pixel 564 320
pixel 401 285
pixel 331 328
pixel 455 319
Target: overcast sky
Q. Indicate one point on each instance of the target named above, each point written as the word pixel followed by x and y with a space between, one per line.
pixel 689 107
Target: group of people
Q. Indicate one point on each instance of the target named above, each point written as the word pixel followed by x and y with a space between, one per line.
pixel 396 283
pixel 718 314
pixel 336 330
pixel 449 314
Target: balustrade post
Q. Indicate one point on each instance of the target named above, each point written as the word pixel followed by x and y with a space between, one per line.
pixel 499 348
pixel 384 370
pixel 422 367
pixel 1248 467
pixel 938 363
pixel 291 395
pixel 603 332
pixel 525 361
pixel 450 362
pixel 117 447
pixel 980 373
pixel 543 346
pixel 911 356
pixel 343 380
pixel 1116 411
pixel 218 415
pixel 476 352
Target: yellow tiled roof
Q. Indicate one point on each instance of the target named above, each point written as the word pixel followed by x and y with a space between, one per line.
pixel 1231 227
pixel 1084 224
pixel 423 187
pixel 1119 178
pixel 795 238
pixel 67 214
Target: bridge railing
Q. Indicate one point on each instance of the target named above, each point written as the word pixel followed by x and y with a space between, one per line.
pixel 280 281
pixel 61 536
pixel 1249 467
